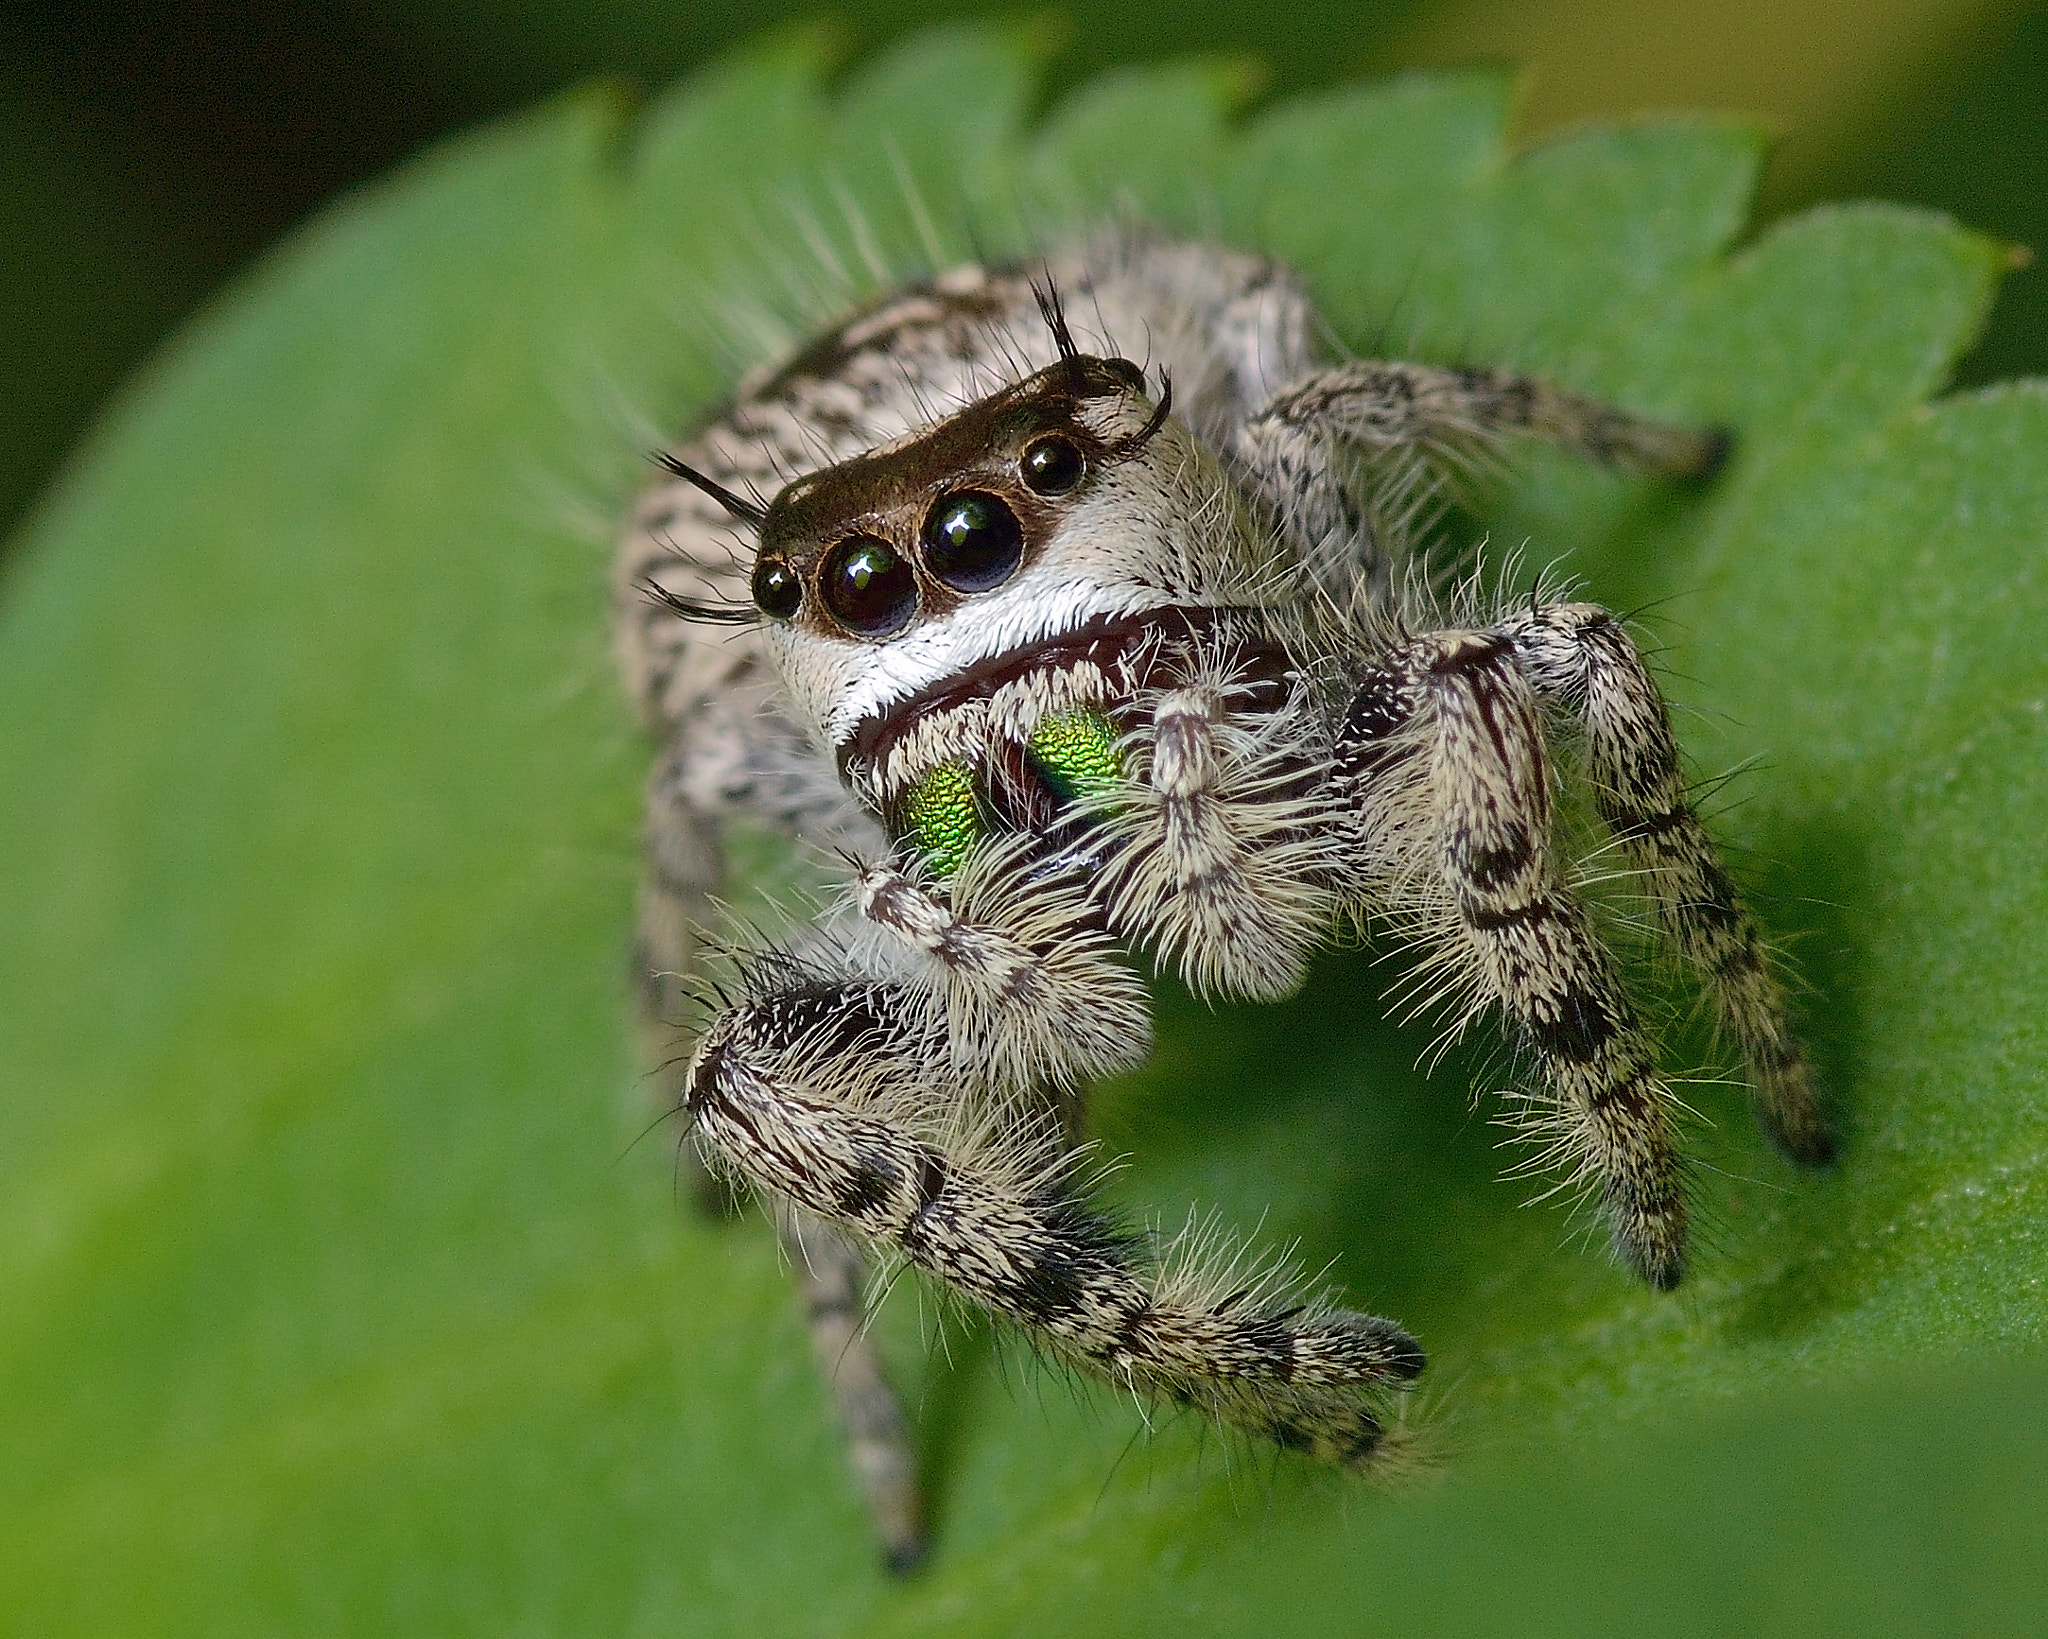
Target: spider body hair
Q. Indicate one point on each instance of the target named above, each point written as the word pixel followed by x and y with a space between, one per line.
pixel 1084 664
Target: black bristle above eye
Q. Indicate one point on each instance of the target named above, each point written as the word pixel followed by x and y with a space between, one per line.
pixel 1054 312
pixel 1160 412
pixel 699 611
pixel 736 507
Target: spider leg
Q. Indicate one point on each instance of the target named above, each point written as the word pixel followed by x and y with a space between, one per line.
pixel 720 763
pixel 1579 654
pixel 1347 457
pixel 833 1275
pixel 731 757
pixel 840 1093
pixel 1034 994
pixel 1227 850
pixel 681 870
pixel 1442 749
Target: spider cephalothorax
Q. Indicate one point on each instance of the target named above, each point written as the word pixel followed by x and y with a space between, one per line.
pixel 1088 664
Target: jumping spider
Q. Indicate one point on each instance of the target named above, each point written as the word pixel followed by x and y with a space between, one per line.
pixel 1073 659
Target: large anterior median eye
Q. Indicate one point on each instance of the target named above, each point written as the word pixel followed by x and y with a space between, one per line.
pixel 972 541
pixel 868 588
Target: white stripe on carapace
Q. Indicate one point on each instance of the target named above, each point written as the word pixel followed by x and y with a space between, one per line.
pixel 841 686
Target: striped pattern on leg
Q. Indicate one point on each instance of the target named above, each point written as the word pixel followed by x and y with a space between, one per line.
pixel 1453 725
pixel 832 1274
pixel 1347 457
pixel 809 1093
pixel 1579 654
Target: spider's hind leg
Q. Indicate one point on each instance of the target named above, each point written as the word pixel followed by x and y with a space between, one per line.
pixel 682 868
pixel 732 758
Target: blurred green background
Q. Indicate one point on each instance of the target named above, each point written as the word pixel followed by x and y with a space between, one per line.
pixel 148 152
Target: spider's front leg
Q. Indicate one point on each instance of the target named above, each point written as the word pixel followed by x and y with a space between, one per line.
pixel 858 1100
pixel 1442 751
pixel 1579 655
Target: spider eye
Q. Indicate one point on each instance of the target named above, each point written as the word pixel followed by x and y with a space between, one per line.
pixel 972 541
pixel 777 592
pixel 1127 373
pixel 869 589
pixel 1053 465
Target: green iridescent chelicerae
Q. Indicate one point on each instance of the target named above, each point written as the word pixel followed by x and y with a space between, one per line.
pixel 1075 752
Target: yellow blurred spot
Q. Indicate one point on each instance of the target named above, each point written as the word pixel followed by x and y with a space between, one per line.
pixel 1821 74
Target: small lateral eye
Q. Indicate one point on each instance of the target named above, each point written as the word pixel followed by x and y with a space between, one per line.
pixel 869 589
pixel 1052 465
pixel 972 541
pixel 1128 373
pixel 778 593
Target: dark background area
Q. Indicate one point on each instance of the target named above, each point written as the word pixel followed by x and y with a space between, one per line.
pixel 149 152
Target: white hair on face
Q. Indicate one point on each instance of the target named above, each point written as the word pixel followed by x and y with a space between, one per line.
pixel 871 679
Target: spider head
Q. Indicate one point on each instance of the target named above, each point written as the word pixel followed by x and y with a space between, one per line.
pixel 1065 503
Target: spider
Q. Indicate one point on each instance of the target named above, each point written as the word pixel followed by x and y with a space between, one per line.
pixel 1082 665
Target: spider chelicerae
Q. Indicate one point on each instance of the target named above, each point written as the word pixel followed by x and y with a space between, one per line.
pixel 1081 664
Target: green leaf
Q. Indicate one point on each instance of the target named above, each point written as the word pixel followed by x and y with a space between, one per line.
pixel 342 1290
